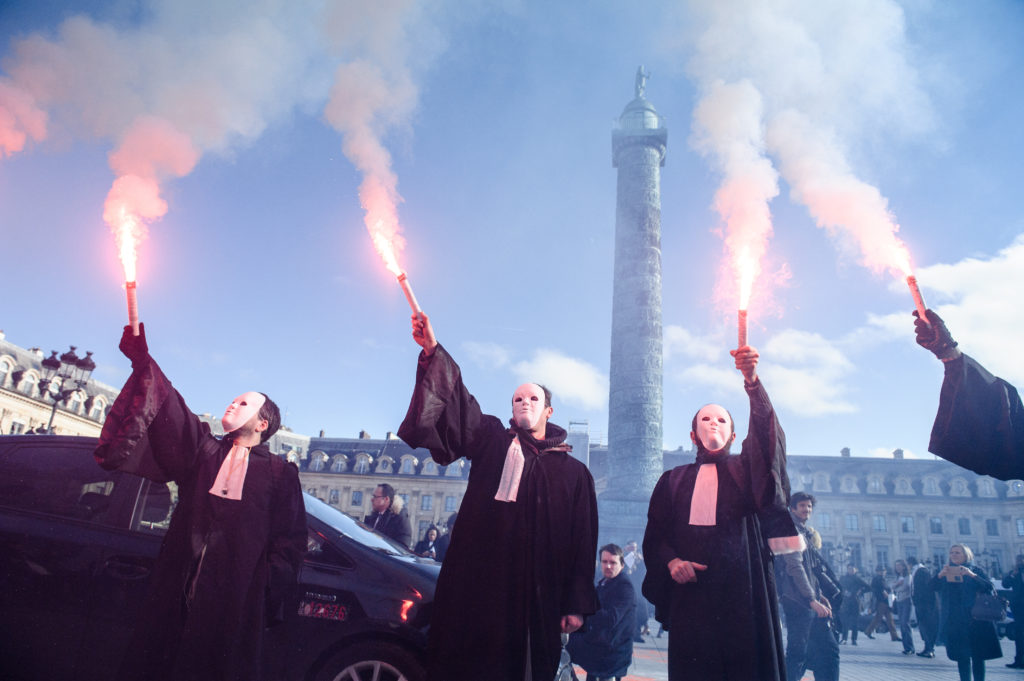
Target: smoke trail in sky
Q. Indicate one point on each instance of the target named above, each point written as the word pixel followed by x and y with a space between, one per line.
pixel 829 74
pixel 372 96
pixel 727 126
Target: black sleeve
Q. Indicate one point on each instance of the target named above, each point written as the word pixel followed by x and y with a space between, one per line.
pixel 288 538
pixel 443 416
pixel 980 422
pixel 579 595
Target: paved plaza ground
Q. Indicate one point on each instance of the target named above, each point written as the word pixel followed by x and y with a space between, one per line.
pixel 870 660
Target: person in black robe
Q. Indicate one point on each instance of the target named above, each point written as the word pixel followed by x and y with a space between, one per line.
pixel 980 421
pixel 709 568
pixel 237 537
pixel 520 566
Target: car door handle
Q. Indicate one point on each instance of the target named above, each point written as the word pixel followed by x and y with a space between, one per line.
pixel 127 569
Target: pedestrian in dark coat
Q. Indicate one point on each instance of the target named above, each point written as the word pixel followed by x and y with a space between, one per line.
pixel 235 544
pixel 926 605
pixel 604 647
pixel 709 568
pixel 849 612
pixel 1014 580
pixel 388 517
pixel 520 567
pixel 427 547
pixel 968 641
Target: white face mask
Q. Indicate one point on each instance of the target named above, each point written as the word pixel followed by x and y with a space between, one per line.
pixel 241 410
pixel 714 427
pixel 528 406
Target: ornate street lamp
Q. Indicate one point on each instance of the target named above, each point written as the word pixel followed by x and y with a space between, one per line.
pixel 71 373
pixel 840 555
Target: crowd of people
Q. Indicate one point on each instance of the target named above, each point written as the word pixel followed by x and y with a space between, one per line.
pixel 729 549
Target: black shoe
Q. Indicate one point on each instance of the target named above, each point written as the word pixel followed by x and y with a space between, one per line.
pixel 1016 665
pixel 869 636
pixel 926 653
pixel 897 640
pixel 853 643
pixel 908 652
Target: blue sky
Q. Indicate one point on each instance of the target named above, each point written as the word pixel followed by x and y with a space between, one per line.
pixel 497 118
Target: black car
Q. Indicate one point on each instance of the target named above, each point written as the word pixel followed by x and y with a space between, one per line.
pixel 77 546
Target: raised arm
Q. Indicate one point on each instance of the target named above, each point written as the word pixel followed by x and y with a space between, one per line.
pixel 149 431
pixel 443 416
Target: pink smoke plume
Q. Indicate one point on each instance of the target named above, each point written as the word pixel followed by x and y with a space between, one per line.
pixel 152 149
pixel 364 103
pixel 845 206
pixel 829 74
pixel 20 119
pixel 727 127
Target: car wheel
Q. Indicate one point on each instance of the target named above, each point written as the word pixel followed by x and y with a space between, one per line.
pixel 374 661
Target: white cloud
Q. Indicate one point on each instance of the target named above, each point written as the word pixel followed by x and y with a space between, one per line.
pixel 571 380
pixel 977 298
pixel 488 355
pixel 807 374
pixel 680 342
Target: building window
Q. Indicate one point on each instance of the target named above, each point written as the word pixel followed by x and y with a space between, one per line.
pixel 907 524
pixel 407 466
pixel 74 403
pixel 5 371
pixel 875 485
pixel 338 465
pixel 357 498
pixel 852 521
pixel 405 499
pixel 334 497
pixel 964 525
pixel 991 527
pixel 986 488
pixel 426 503
pixel 935 525
pixel 855 554
pixel 850 484
pixel 1020 527
pixel 882 556
pixel 384 466
pixel 959 488
pixel 825 521
pixel 363 464
pixel 429 468
pixel 17 427
pixel 931 486
pixel 449 505
pixel 317 464
pixel 821 483
pixel 903 486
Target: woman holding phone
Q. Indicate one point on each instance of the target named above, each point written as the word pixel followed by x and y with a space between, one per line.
pixel 968 641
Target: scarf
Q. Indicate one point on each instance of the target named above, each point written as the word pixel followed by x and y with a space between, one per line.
pixel 231 476
pixel 515 460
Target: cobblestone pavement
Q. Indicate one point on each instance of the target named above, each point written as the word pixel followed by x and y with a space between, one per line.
pixel 870 660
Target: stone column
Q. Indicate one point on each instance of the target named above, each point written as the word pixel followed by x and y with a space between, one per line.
pixel 635 456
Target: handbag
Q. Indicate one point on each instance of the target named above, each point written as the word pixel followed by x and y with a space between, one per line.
pixel 989 608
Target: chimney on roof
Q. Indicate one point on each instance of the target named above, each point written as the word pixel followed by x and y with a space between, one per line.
pixel 897 454
pixel 845 451
pixel 363 435
pixel 391 436
pixel 321 432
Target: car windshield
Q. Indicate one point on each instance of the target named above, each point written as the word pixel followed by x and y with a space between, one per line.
pixel 353 529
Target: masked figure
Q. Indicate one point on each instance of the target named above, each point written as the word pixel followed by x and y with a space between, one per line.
pixel 709 567
pixel 237 537
pixel 519 569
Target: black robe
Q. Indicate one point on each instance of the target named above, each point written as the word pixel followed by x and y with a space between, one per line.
pixel 511 568
pixel 980 422
pixel 725 626
pixel 253 547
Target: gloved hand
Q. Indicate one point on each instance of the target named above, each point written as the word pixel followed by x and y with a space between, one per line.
pixel 135 347
pixel 934 336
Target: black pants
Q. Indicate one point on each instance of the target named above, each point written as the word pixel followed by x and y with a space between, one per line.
pixel 809 644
